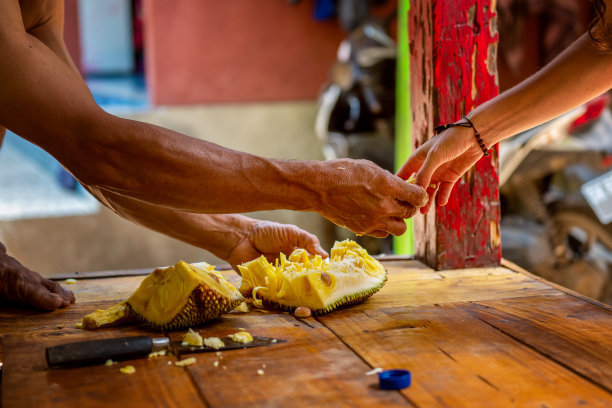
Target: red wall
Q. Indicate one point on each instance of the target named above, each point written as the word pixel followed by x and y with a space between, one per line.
pixel 210 51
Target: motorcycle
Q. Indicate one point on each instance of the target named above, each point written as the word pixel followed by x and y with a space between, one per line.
pixel 553 190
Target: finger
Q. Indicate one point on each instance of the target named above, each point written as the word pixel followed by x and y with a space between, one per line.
pixel 432 199
pixel 54 287
pixel 316 249
pixel 40 297
pixel 410 211
pixel 394 226
pixel 411 195
pixel 444 193
pixel 313 246
pixel 423 177
pixel 378 234
pixel 414 162
pixel 411 166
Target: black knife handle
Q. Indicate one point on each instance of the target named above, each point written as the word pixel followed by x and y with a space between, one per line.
pixel 98 351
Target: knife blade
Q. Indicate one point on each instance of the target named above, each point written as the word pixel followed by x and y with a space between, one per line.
pixel 123 348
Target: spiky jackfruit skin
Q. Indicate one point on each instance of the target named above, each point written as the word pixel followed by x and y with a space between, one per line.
pixel 202 305
pixel 176 297
pixel 183 296
pixel 347 277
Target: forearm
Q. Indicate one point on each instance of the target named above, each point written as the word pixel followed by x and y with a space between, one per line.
pixel 216 233
pixel 165 168
pixel 579 74
pixel 46 102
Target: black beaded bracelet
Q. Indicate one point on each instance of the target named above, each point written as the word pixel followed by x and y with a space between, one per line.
pixel 469 124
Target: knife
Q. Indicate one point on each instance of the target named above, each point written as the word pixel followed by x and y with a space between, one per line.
pixel 123 348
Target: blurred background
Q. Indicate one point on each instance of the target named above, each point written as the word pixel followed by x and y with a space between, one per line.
pixel 309 79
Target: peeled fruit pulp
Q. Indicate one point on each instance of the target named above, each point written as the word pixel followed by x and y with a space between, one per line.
pixel 348 276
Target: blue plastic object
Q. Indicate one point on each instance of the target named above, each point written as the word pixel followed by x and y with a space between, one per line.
pixel 394 379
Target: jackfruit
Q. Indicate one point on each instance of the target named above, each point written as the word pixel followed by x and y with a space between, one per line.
pixel 114 315
pixel 241 337
pixel 172 298
pixel 192 338
pixel 347 277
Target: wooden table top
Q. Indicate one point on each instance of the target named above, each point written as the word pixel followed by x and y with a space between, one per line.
pixel 491 337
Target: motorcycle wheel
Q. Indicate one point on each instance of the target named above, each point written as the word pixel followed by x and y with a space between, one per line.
pixel 586 245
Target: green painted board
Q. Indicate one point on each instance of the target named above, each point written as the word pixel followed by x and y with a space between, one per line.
pixel 403 118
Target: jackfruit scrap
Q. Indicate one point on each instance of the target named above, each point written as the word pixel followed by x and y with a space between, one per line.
pixel 241 337
pixel 128 369
pixel 348 276
pixel 214 342
pixel 176 297
pixel 192 338
pixel 112 316
pixel 185 362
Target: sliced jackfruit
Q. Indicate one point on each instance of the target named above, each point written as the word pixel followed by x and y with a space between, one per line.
pixel 348 276
pixel 176 297
pixel 114 315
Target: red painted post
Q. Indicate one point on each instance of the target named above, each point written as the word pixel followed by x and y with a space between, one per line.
pixel 453 47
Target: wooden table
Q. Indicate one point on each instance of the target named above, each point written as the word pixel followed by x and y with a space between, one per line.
pixel 471 338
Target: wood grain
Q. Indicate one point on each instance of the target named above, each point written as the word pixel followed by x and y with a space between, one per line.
pixel 457 360
pixel 314 369
pixel 28 383
pixel 491 337
pixel 424 286
pixel 569 331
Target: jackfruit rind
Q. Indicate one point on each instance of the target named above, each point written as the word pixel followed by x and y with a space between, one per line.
pixel 183 295
pixel 348 276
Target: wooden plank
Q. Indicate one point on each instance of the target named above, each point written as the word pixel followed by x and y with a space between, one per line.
pixel 116 273
pixel 457 360
pixel 26 382
pixel 514 267
pixel 16 320
pixel 314 369
pixel 116 288
pixel 570 331
pixel 453 69
pixel 424 286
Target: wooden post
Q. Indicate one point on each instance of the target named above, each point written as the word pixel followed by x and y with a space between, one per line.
pixel 453 46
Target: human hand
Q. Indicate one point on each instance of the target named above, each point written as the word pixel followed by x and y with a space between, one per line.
pixel 270 239
pixel 21 285
pixel 359 195
pixel 442 160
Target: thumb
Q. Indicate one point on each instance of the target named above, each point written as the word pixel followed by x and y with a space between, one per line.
pixel 410 166
pixel 424 175
pixel 311 243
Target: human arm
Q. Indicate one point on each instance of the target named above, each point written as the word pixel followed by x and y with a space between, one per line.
pixel 46 102
pixel 232 237
pixel 579 74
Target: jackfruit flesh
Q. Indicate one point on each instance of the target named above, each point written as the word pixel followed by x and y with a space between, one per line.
pixel 176 297
pixel 348 276
pixel 183 295
pixel 114 315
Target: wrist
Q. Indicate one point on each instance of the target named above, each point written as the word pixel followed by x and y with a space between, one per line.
pixel 301 183
pixel 487 129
